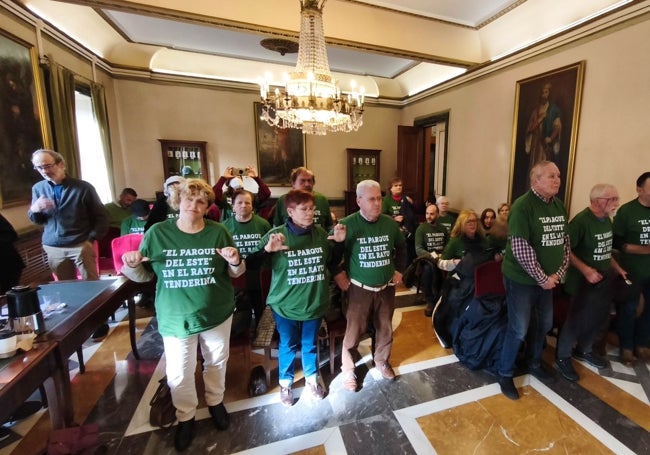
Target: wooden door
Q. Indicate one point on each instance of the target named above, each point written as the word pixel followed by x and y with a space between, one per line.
pixel 411 161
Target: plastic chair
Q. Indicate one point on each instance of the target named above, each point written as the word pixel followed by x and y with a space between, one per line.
pixel 119 246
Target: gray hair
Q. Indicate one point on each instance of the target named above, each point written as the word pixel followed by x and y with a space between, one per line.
pixel 600 189
pixel 58 158
pixel 364 185
pixel 538 169
pixel 440 199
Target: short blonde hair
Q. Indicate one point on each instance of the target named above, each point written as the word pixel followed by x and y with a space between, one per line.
pixel 190 187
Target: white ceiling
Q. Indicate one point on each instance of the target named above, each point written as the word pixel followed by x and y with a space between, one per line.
pixel 394 48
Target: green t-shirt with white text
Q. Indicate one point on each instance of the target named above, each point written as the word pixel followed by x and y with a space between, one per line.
pixel 370 248
pixel 632 225
pixel 194 292
pixel 543 225
pixel 247 235
pixel 591 241
pixel 299 288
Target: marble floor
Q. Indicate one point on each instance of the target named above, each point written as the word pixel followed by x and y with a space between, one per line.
pixel 436 405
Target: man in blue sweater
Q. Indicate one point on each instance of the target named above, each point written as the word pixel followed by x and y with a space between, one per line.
pixel 73 217
pixel 72 214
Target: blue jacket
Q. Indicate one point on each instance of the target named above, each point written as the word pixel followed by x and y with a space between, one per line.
pixel 79 215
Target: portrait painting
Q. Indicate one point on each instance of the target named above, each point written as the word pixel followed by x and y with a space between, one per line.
pixel 21 120
pixel 279 150
pixel 547 111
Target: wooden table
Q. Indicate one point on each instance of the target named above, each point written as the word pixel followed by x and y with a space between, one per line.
pixel 88 305
pixel 23 373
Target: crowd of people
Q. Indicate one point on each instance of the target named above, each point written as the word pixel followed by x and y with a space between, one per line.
pixel 198 238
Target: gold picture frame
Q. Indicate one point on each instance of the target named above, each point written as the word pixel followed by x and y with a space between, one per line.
pixel 23 120
pixel 547 113
pixel 279 150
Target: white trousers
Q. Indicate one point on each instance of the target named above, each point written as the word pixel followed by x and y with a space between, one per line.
pixel 180 354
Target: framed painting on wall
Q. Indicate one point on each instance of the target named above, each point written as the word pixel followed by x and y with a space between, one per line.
pixel 279 150
pixel 547 110
pixel 23 125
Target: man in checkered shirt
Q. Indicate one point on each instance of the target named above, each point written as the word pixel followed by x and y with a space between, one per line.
pixel 535 262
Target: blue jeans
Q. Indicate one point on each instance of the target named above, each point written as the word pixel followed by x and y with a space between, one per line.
pixel 528 306
pixel 294 334
pixel 634 332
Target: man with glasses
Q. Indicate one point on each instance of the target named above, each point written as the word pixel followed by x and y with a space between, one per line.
pixel 535 261
pixel 72 214
pixel 375 253
pixel 632 239
pixel 589 281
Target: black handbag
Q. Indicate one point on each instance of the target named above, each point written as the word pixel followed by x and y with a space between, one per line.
pixel 162 413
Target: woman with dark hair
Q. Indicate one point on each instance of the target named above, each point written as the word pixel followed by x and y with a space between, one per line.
pixel 487 219
pixel 302 260
pixel 194 259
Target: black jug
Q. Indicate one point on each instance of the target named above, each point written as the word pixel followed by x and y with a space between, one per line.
pixel 25 310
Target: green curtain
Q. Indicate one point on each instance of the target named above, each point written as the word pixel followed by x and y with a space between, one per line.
pixel 62 85
pixel 101 117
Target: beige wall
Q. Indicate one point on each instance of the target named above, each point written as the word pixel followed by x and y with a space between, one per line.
pixel 613 143
pixel 147 112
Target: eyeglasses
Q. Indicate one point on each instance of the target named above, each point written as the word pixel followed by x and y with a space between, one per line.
pixel 45 167
pixel 471 221
pixel 609 199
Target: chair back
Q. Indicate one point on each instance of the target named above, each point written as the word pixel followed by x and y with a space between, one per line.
pixel 488 279
pixel 120 245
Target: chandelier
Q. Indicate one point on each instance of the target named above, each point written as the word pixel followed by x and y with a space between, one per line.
pixel 311 99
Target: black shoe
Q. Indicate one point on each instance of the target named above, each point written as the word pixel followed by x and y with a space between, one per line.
pixel 184 434
pixel 219 416
pixel 591 358
pixel 100 333
pixel 566 369
pixel 428 311
pixel 508 387
pixel 542 374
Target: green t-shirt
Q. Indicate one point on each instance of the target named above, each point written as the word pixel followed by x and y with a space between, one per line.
pixel 132 225
pixel 117 214
pixel 430 237
pixel 390 206
pixel 299 288
pixel 194 292
pixel 447 221
pixel 458 246
pixel 370 248
pixel 543 225
pixel 247 235
pixel 632 225
pixel 591 241
pixel 322 214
